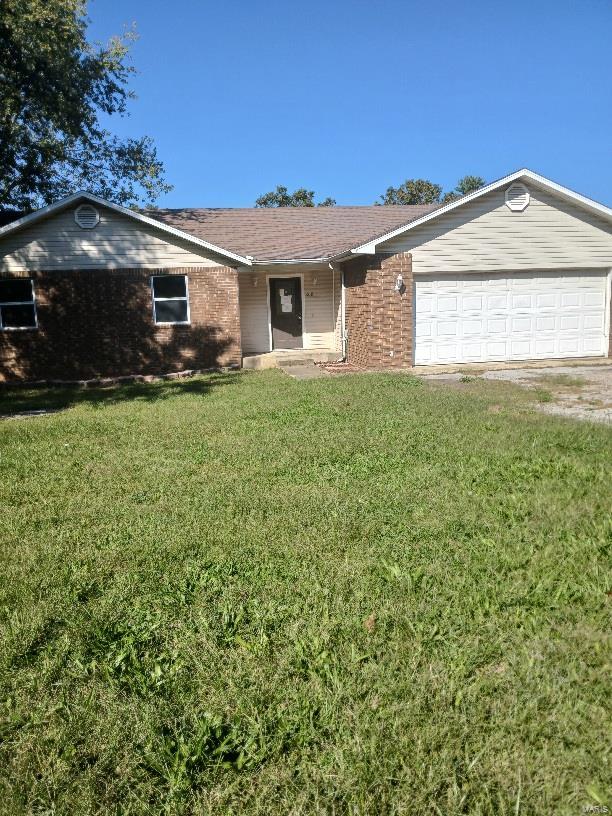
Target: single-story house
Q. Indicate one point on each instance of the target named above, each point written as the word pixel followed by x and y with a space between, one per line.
pixel 518 270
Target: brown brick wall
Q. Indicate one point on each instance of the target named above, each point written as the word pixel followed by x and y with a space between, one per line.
pixel 379 320
pixel 99 323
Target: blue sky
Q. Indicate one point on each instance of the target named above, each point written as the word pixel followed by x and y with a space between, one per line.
pixel 347 97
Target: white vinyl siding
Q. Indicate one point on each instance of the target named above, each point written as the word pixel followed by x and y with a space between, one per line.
pixel 253 312
pixel 321 309
pixel 484 235
pixel 116 242
pixel 521 316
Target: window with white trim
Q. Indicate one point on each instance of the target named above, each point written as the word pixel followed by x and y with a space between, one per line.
pixel 170 299
pixel 17 304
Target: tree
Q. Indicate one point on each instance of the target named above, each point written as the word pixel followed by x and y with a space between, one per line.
pixel 413 191
pixel 54 87
pixel 465 185
pixel 299 198
pixel 422 191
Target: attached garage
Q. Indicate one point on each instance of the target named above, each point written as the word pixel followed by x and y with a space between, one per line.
pixel 519 316
pixel 518 270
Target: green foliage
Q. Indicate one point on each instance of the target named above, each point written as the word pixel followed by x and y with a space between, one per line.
pixel 301 197
pixel 465 185
pixel 55 87
pixel 413 191
pixel 422 191
pixel 247 594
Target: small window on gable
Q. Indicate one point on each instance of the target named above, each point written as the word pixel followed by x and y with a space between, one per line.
pixel 17 305
pixel 170 298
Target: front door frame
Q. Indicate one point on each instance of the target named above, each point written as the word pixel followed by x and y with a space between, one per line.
pixel 286 275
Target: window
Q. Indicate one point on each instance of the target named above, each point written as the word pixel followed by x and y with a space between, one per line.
pixel 170 299
pixel 17 307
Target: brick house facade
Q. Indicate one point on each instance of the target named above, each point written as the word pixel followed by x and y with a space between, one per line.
pixel 99 323
pixel 519 270
pixel 379 318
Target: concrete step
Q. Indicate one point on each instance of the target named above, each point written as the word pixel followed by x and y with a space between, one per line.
pixel 298 357
pixel 304 371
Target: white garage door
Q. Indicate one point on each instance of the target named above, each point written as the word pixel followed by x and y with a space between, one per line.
pixel 522 316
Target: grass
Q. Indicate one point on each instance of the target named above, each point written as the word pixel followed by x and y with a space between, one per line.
pixel 563 380
pixel 243 594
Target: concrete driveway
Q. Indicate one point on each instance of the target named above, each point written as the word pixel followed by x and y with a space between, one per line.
pixel 579 391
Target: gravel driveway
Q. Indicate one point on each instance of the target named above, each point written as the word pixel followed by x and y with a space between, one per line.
pixel 582 392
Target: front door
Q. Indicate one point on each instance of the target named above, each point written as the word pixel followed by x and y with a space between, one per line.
pixel 286 312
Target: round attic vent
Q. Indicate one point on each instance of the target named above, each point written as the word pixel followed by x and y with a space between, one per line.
pixel 517 197
pixel 86 216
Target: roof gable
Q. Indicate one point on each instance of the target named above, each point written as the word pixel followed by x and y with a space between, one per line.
pixel 58 206
pixel 369 247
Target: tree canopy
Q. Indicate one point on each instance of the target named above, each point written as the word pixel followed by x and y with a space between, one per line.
pixel 301 197
pixel 413 191
pixel 54 88
pixel 465 185
pixel 422 191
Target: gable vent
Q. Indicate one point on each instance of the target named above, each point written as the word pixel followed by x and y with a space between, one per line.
pixel 86 216
pixel 517 197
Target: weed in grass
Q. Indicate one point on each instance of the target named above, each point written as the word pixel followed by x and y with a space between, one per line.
pixel 543 395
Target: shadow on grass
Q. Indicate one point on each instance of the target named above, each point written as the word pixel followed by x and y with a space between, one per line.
pixel 23 401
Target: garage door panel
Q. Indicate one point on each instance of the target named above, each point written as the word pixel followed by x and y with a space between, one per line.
pixel 520 349
pixel 448 304
pixel 522 325
pixel 472 303
pixel 472 327
pixel 549 300
pixel 544 347
pixel 544 324
pixel 592 299
pixel 594 321
pixel 522 301
pixel 514 317
pixel 497 326
pixel 448 328
pixel 571 322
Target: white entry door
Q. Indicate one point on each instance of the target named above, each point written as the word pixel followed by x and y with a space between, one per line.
pixel 519 316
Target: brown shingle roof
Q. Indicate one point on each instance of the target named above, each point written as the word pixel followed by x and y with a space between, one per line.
pixel 290 233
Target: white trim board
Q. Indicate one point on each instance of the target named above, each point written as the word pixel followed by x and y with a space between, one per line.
pixel 64 203
pixel 369 247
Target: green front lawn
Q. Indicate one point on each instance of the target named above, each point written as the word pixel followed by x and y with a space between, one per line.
pixel 242 594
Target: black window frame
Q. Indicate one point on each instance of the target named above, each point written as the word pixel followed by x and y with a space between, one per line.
pixel 31 302
pixel 155 299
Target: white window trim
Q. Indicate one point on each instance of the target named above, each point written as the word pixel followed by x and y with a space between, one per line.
pixel 21 303
pixel 162 299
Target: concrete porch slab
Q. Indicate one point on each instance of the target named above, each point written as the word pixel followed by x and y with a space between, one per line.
pixel 282 359
pixel 307 371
